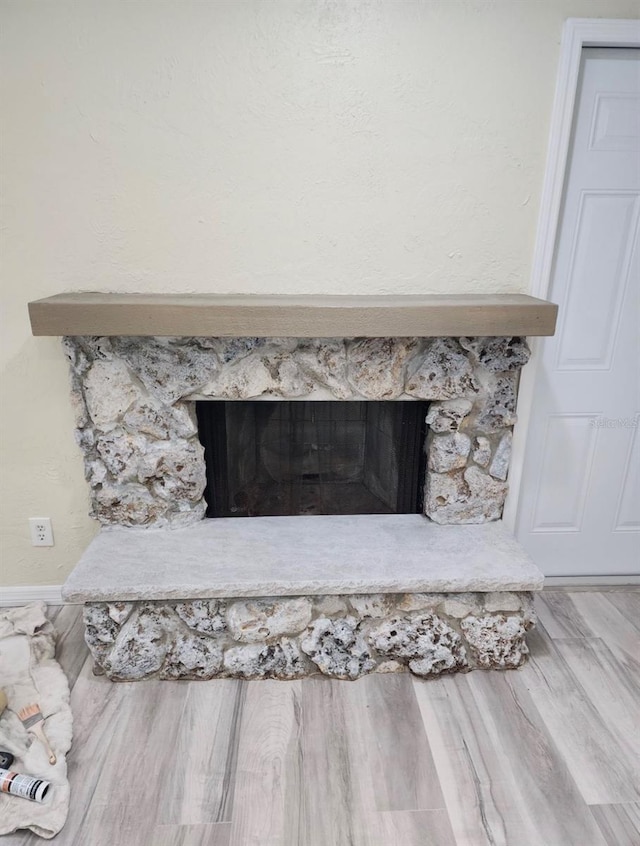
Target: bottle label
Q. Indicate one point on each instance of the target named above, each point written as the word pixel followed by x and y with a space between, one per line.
pixel 25 786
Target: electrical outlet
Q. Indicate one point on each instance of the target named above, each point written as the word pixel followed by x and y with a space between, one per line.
pixel 41 531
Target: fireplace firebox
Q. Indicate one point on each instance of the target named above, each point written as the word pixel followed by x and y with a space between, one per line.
pixel 285 458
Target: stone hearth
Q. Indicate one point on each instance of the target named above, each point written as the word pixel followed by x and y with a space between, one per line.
pixel 343 637
pixel 134 399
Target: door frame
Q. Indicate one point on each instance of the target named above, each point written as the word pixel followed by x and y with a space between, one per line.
pixel 576 34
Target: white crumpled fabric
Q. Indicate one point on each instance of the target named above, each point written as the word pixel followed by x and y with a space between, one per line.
pixel 30 674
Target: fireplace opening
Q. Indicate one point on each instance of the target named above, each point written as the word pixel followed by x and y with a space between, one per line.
pixel 281 458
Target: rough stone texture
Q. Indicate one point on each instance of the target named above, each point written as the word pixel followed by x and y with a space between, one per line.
pixel 497 409
pixel 466 496
pixel 431 646
pixel 372 605
pixel 281 660
pixel 133 405
pixel 128 505
pixel 108 393
pixel 338 648
pixel 325 361
pixel 169 371
pixel 448 452
pixel 203 615
pixel 120 611
pixel 192 656
pixel 376 366
pixel 481 450
pixel 447 416
pixel 496 642
pixel 504 600
pixel 498 354
pixel 141 645
pixel 174 471
pixel 254 621
pixel 459 605
pixel 327 606
pixel 420 601
pixel 161 422
pixel 443 373
pixel 100 630
pixel 382 633
pixel 500 464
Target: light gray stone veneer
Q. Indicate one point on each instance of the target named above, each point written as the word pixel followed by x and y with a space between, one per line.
pixel 134 404
pixel 343 637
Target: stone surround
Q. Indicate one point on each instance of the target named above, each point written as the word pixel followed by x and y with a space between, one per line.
pixel 343 637
pixel 134 402
pixel 245 598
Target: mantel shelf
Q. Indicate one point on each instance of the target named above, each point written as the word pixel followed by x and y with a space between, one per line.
pixel 214 315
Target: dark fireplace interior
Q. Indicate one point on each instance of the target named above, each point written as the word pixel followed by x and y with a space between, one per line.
pixel 282 458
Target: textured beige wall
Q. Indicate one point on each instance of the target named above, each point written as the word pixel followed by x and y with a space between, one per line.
pixel 343 146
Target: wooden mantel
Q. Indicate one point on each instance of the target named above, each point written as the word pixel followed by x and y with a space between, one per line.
pixel 296 317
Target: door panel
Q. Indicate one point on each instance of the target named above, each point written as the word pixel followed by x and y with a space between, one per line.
pixel 579 504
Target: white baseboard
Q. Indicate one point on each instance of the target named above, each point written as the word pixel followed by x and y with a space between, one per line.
pixel 23 594
pixel 590 581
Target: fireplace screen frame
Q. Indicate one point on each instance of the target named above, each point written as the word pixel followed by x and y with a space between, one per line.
pixel 393 435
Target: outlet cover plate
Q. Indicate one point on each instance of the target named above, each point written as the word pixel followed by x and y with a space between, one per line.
pixel 41 531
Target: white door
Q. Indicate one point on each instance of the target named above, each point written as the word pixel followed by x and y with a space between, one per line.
pixel 579 506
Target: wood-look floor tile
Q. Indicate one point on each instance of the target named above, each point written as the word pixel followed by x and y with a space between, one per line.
pixel 478 782
pixel 627 602
pixel 539 773
pixel 613 692
pixel 335 779
pixel 607 623
pixel 22 837
pixel 603 769
pixel 141 745
pixel 620 824
pixel 267 796
pixel 393 737
pixel 198 787
pixel 71 649
pixel 559 615
pixel 410 828
pixel 216 834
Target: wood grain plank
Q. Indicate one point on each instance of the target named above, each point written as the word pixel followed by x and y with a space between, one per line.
pixel 199 787
pixel 140 748
pixel 602 768
pixel 292 316
pixel 606 622
pixel 559 616
pixel 96 704
pixel 217 834
pixel 333 766
pixel 613 692
pixel 411 828
pixel 71 649
pixel 628 603
pixel 620 824
pixel 539 772
pixel 479 782
pixel 267 784
pixel 397 750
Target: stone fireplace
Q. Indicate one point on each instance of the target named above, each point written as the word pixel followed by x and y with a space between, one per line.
pixel 168 594
pixel 445 591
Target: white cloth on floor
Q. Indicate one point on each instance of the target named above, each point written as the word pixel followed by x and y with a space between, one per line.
pixel 29 674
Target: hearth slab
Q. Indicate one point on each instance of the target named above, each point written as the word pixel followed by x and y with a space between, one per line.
pixel 292 556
